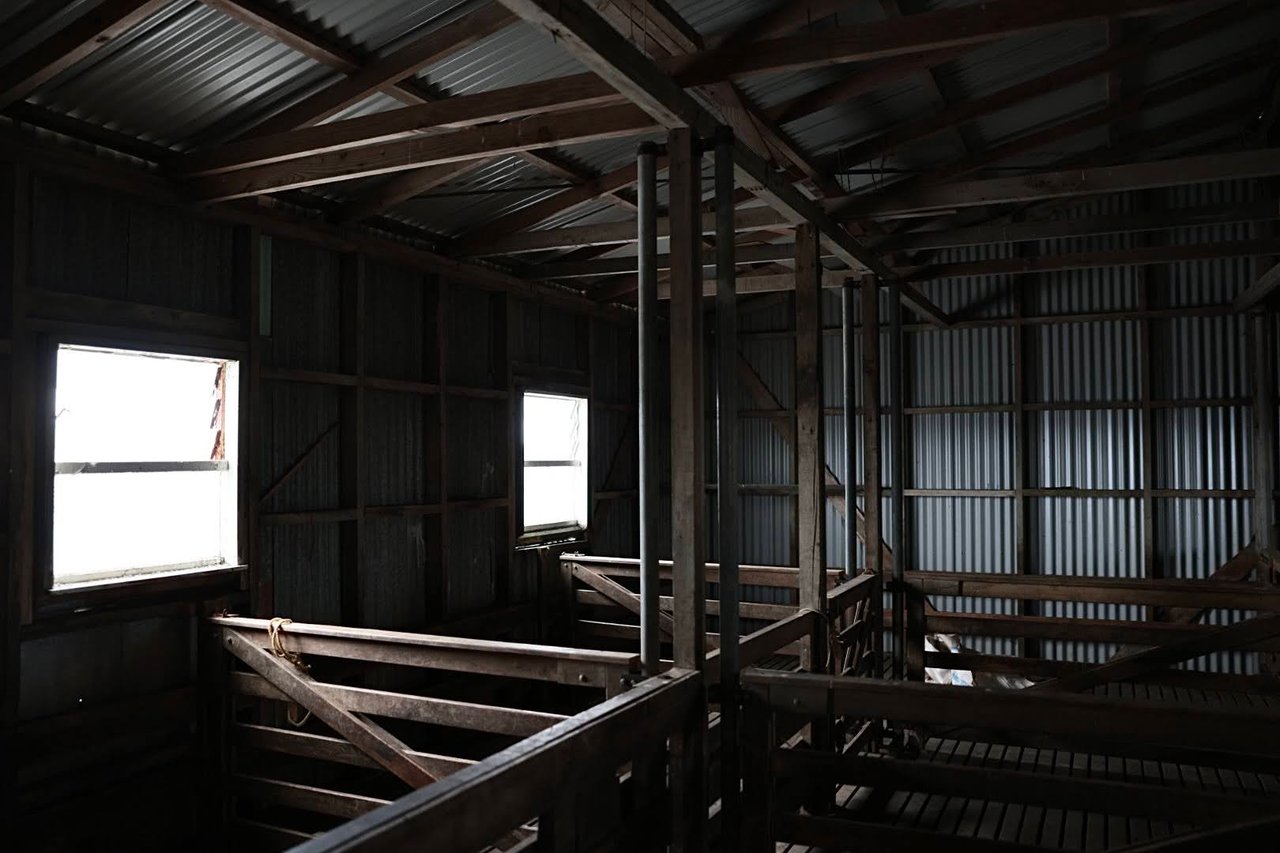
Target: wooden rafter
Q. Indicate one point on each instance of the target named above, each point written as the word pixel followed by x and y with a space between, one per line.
pixel 921 33
pixel 389 71
pixel 1197 82
pixel 461 111
pixel 962 112
pixel 323 48
pixel 1067 183
pixel 930 78
pixel 527 217
pixel 783 17
pixel 666 34
pixel 532 132
pixel 88 33
pixel 1141 256
pixel 585 34
pixel 272 19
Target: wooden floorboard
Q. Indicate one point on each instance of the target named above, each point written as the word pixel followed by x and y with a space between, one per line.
pixel 1053 828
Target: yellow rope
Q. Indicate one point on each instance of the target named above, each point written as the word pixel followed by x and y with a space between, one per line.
pixel 275 631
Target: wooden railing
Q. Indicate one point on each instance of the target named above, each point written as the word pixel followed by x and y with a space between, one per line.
pixel 778 779
pixel 1171 611
pixel 597 781
pixel 607 604
pixel 290 742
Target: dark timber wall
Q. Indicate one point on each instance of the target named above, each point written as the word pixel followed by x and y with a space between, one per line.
pixel 379 435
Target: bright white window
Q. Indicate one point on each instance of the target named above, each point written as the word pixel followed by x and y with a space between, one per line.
pixel 555 462
pixel 145 451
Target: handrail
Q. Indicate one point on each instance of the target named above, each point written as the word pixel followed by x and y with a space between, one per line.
pixel 470 809
pixel 1088 721
pixel 749 575
pixel 1233 595
pixel 756 646
pixel 583 667
pixel 841 597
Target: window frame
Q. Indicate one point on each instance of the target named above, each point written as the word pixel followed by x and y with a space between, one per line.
pixel 557 534
pixel 51 599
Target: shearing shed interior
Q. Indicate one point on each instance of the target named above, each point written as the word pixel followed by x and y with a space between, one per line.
pixel 480 426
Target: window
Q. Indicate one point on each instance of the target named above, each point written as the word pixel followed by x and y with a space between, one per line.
pixel 144 475
pixel 555 463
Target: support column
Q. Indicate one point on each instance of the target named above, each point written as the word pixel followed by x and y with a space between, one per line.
pixel 647 358
pixel 810 471
pixel 873 543
pixel 688 495
pixel 1264 429
pixel 849 295
pixel 897 493
pixel 728 497
pixel 351 431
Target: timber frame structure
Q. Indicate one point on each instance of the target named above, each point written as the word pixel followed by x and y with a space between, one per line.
pixel 929 356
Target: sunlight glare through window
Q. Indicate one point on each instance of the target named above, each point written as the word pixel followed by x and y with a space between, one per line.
pixel 555 462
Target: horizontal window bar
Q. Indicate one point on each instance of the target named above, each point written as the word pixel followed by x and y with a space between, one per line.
pixel 553 463
pixel 139 467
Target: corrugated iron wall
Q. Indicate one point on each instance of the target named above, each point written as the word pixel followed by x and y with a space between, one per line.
pixel 1083 429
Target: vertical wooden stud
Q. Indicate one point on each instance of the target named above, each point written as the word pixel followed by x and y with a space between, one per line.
pixel 688 495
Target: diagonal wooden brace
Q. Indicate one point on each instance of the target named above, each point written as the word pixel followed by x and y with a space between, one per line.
pixel 619 595
pixel 368 737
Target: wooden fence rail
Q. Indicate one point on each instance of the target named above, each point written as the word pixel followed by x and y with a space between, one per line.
pixel 779 778
pixel 578 778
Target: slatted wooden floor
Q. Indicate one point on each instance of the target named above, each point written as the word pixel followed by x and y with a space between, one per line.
pixel 1058 829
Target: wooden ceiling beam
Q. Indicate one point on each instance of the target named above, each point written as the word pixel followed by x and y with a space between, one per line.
pixel 928 31
pixel 932 85
pixel 753 254
pixel 468 144
pixel 611 233
pixel 916 130
pixel 276 22
pixel 1226 117
pixel 453 113
pixel 1194 83
pixel 602 49
pixel 390 70
pixel 401 187
pixel 784 17
pixel 675 37
pixel 78 39
pixel 756 219
pixel 476 243
pixel 1259 163
pixel 863 81
pixel 1141 256
pixel 1093 226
